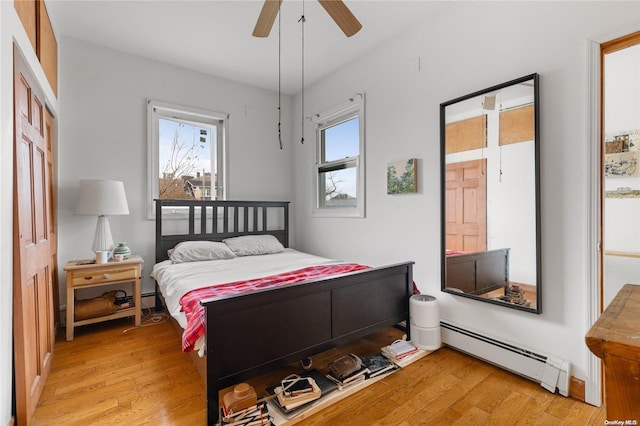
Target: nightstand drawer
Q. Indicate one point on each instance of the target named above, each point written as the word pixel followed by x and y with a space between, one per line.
pixel 81 278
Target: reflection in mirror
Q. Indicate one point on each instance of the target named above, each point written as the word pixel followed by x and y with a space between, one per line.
pixel 490 195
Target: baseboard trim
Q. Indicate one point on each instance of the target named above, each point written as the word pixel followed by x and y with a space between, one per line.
pixel 577 388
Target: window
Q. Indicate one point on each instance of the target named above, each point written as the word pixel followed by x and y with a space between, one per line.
pixel 186 153
pixel 339 166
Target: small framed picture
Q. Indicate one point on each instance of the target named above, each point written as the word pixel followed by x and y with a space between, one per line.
pixel 402 177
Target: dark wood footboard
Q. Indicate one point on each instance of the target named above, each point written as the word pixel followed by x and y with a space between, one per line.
pixel 253 333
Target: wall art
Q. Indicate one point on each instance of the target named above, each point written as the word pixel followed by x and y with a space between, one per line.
pixel 402 177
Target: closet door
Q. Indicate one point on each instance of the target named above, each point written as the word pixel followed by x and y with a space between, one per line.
pixel 32 268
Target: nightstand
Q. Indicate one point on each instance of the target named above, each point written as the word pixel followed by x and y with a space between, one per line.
pixel 82 274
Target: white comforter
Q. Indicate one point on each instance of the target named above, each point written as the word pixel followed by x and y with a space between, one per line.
pixel 176 279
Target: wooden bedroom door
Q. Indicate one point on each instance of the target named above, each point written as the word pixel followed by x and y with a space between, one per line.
pixel 466 206
pixel 32 261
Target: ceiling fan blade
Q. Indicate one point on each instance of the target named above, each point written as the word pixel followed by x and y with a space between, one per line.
pixel 342 16
pixel 266 18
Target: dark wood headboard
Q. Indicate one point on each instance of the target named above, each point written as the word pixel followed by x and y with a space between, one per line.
pixel 215 220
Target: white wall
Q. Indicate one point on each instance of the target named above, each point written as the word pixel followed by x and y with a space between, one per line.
pixel 103 135
pixel 6 213
pixel 468 47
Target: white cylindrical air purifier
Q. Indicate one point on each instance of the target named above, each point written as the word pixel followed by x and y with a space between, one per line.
pixel 424 318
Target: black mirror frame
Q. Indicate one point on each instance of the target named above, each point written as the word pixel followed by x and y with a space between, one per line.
pixel 536 97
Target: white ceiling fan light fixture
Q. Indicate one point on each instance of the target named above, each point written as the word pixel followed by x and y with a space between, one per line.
pixel 338 11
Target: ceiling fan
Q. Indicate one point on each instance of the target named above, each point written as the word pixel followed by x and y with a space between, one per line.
pixel 338 11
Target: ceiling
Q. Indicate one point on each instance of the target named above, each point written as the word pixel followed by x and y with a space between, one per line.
pixel 214 37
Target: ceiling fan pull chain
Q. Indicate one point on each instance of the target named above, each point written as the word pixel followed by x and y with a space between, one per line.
pixel 500 177
pixel 302 20
pixel 279 81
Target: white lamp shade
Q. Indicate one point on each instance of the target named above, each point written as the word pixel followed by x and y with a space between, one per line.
pixel 101 198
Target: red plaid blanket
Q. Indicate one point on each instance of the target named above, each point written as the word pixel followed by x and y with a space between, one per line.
pixel 194 311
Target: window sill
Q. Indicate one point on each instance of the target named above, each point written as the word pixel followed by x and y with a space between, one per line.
pixel 338 212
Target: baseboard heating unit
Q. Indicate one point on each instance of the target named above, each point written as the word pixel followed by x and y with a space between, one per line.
pixel 549 371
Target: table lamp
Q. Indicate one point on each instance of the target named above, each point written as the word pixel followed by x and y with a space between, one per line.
pixel 102 198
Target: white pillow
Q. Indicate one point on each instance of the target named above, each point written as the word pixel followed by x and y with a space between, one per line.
pixel 194 251
pixel 251 245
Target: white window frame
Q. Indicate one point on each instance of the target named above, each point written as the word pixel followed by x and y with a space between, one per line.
pixel 157 110
pixel 354 107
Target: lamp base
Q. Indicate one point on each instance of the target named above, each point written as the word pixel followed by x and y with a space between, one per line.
pixel 102 240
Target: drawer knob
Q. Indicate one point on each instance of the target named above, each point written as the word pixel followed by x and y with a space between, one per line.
pixel 88 278
pixel 106 276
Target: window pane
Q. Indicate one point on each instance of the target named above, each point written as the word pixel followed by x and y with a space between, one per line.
pixel 185 160
pixel 341 140
pixel 338 188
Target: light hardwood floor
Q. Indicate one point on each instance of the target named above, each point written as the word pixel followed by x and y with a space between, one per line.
pixel 107 377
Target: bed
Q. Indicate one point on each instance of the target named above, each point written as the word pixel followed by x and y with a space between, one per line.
pixel 478 272
pixel 251 333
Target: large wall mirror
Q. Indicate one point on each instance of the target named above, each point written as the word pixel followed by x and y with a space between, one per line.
pixel 490 195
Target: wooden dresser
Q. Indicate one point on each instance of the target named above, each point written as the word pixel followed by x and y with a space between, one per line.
pixel 615 338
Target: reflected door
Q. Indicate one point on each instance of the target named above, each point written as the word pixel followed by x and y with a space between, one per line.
pixel 466 206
